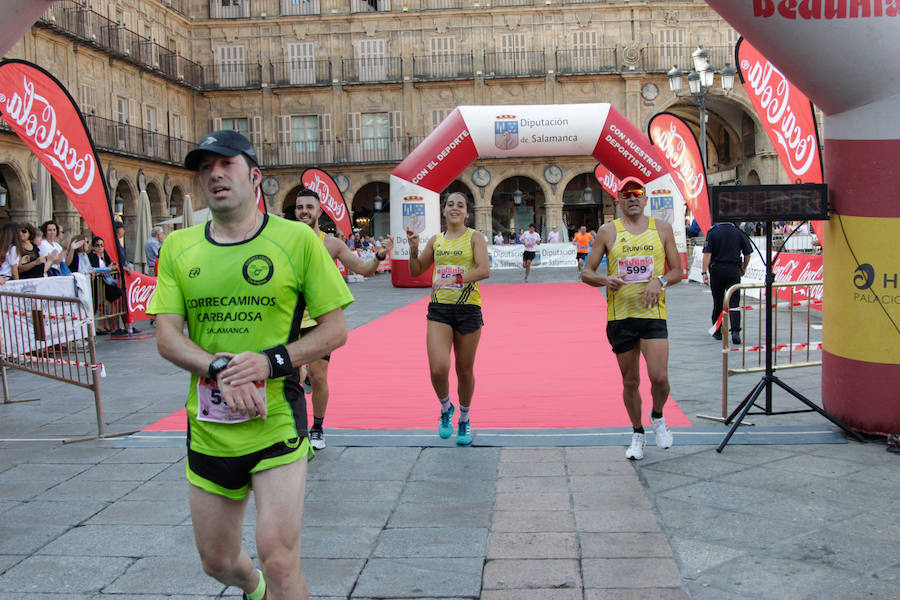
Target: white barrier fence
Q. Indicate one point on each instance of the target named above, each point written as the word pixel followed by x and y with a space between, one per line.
pixel 546 255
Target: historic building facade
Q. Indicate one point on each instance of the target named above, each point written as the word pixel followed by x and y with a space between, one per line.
pixel 352 86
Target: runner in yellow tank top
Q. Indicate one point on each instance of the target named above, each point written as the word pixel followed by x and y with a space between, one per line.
pixel 642 261
pixel 460 260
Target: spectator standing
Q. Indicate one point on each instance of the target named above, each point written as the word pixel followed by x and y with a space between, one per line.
pixel 723 267
pixel 553 236
pixel 498 239
pixel 8 235
pixel 582 241
pixel 30 265
pixel 50 248
pixel 152 246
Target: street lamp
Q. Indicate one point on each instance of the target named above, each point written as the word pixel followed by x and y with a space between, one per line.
pixel 173 210
pixel 588 194
pixel 118 205
pixel 3 192
pixel 378 200
pixel 517 195
pixel 700 83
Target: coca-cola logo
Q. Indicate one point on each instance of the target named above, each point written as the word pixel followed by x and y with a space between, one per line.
pixel 771 93
pixel 34 119
pixel 139 293
pixel 800 270
pixel 334 207
pixel 677 152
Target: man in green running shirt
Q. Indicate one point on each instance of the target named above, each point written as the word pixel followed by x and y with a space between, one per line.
pixel 241 283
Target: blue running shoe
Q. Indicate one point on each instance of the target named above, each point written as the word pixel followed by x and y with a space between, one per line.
pixel 464 435
pixel 445 430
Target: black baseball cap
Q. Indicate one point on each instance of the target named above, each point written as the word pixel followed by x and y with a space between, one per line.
pixel 224 142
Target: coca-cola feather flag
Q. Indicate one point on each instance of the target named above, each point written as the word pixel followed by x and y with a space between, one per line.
pixel 785 112
pixel 606 179
pixel 39 109
pixel 675 140
pixel 787 116
pixel 330 197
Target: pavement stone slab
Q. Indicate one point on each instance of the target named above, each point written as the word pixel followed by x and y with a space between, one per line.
pixel 531 469
pixel 539 545
pixel 508 574
pixel 141 512
pixel 63 574
pixel 533 520
pixel 165 575
pixel 340 512
pixel 27 538
pixel 455 514
pixel 106 540
pixel 541 594
pixel 418 577
pixel 531 455
pixel 529 485
pixel 458 464
pixel 47 512
pixel 441 492
pixel 553 500
pixel 338 542
pixel 630 573
pixel 636 594
pixel 332 577
pixel 432 542
pixel 624 545
pixel 373 491
pixel 616 520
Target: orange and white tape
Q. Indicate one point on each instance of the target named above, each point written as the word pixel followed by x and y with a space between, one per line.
pixel 59 361
pixel 812 346
pixel 813 303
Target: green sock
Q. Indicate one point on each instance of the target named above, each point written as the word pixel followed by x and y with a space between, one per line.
pixel 260 592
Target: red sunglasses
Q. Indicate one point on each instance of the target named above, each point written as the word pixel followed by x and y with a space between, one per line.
pixel 631 194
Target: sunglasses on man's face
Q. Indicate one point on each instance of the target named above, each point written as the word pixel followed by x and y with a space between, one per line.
pixel 631 194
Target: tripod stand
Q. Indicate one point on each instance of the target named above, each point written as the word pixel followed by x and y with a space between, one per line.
pixel 765 383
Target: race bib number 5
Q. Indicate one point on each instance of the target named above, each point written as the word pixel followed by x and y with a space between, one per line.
pixel 212 408
pixel 633 269
pixel 444 271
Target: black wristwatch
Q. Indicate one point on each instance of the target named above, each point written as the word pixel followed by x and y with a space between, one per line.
pixel 381 258
pixel 217 366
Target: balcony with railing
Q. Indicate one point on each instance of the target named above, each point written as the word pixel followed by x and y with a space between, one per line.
pixel 288 73
pixel 292 154
pixel 442 67
pixel 586 61
pixel 514 64
pixel 232 76
pixel 440 4
pixel 373 150
pixel 372 69
pixel 229 9
pixel 82 23
pixel 662 58
pixel 369 6
pixel 512 2
pixel 300 7
pixel 121 138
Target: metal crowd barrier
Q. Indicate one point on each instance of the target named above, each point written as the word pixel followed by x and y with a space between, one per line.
pixel 103 307
pixel 51 336
pixel 792 324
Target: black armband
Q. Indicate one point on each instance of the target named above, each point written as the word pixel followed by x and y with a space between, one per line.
pixel 279 361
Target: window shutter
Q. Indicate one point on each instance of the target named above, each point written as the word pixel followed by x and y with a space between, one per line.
pixel 396 125
pixel 353 127
pixel 256 132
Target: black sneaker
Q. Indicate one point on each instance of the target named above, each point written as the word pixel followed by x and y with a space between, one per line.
pixel 717 335
pixel 735 338
pixel 317 438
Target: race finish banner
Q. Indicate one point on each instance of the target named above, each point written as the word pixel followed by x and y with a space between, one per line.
pixel 330 197
pixel 546 255
pixel 39 109
pixel 471 132
pixel 787 116
pixel 676 141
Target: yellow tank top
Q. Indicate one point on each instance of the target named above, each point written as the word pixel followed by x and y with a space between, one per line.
pixel 307 321
pixel 452 257
pixel 637 259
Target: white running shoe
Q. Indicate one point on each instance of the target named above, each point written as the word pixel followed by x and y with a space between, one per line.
pixel 317 438
pixel 636 449
pixel 664 437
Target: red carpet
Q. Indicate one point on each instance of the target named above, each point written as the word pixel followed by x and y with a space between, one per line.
pixel 543 362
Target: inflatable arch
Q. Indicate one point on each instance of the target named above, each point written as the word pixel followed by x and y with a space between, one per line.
pixel 471 132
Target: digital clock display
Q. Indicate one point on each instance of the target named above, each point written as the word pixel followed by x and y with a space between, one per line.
pixel 798 202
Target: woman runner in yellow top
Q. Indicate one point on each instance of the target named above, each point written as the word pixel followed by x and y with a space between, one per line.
pixel 460 260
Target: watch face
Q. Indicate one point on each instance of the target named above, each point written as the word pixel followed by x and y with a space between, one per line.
pixel 649 91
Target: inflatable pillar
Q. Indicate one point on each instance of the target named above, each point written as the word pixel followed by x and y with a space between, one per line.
pixel 841 54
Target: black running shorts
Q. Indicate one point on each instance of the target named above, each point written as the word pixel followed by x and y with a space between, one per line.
pixel 463 318
pixel 624 334
pixel 528 255
pixel 229 476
